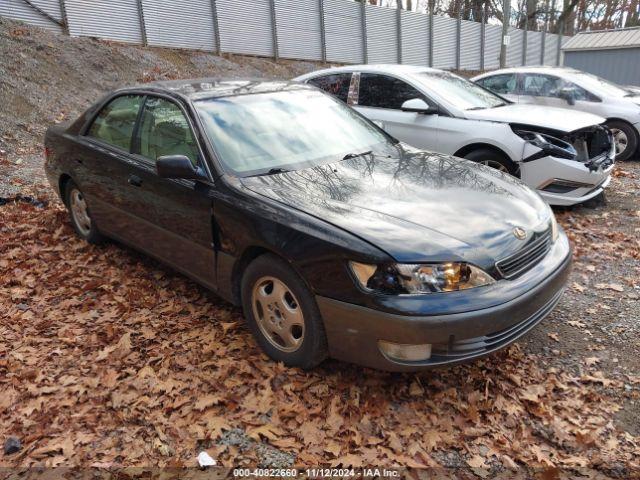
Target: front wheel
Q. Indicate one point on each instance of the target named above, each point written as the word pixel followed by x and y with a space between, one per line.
pixel 625 138
pixel 282 313
pixel 81 219
pixel 492 158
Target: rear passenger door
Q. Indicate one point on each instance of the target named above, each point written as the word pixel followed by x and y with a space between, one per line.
pixel 380 98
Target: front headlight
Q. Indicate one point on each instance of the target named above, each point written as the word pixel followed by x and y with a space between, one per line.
pixel 404 278
pixel 548 144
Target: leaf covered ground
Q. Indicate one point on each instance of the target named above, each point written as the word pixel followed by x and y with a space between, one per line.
pixel 109 359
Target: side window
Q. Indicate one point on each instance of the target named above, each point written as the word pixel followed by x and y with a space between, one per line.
pixel 164 130
pixel 115 122
pixel 504 83
pixel 382 91
pixel 337 85
pixel 537 85
pixel 580 93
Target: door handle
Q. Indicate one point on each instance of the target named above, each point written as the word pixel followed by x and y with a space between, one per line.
pixel 134 180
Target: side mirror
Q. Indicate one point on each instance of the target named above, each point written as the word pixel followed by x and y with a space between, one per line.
pixel 569 94
pixel 178 166
pixel 417 105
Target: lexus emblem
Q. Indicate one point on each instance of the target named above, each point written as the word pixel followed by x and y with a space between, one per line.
pixel 520 233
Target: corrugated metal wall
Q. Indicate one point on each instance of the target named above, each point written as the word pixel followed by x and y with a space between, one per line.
pixel 247 27
pixel 492 42
pixel 382 36
pixel 19 10
pixel 343 27
pixel 534 48
pixel 620 65
pixel 183 25
pixel 109 19
pixel 299 29
pixel 470 45
pixel 444 42
pixel 415 38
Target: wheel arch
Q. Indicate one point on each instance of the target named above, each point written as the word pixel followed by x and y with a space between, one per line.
pixel 477 146
pixel 62 185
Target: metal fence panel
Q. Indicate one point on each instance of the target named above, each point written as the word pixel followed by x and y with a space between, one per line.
pixel 492 43
pixel 298 26
pixel 110 19
pixel 534 47
pixel 245 27
pixel 19 10
pixel 514 50
pixel 343 31
pixel 470 38
pixel 444 42
pixel 415 38
pixel 181 25
pixel 382 37
pixel 550 49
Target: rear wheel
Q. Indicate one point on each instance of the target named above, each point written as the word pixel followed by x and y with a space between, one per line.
pixel 494 159
pixel 81 219
pixel 282 313
pixel 625 138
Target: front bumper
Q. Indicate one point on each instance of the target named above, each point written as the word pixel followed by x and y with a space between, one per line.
pixel 353 331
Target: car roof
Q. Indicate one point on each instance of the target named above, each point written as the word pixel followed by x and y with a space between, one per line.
pixel 200 88
pixel 377 68
pixel 531 69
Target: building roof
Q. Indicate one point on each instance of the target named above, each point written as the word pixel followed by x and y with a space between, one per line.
pixel 604 39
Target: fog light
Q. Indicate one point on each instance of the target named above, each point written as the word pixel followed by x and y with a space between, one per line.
pixel 404 352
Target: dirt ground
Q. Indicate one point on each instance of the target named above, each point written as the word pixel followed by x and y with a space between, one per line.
pixel 108 358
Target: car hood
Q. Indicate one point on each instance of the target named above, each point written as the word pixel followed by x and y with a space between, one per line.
pixel 416 206
pixel 560 119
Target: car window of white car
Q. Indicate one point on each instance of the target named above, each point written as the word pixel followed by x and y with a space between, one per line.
pixel 380 98
pixel 503 84
pixel 336 84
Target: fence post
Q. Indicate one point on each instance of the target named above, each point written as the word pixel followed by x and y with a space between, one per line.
pixel 482 34
pixel 430 34
pixel 274 29
pixel 559 48
pixel 399 31
pixel 542 45
pixel 143 28
pixel 363 22
pixel 458 37
pixel 63 16
pixel 323 34
pixel 216 27
pixel 524 44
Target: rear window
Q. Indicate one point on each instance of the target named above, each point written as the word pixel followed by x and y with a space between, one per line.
pixel 115 123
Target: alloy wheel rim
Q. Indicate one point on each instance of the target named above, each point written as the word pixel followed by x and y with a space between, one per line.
pixel 80 212
pixel 278 314
pixel 620 140
pixel 495 164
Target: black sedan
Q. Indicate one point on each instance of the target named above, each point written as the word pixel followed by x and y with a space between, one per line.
pixel 336 239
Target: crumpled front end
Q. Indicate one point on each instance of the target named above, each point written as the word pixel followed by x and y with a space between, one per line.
pixel 575 168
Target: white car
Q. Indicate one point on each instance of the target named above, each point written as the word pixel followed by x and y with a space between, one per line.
pixel 567 156
pixel 570 88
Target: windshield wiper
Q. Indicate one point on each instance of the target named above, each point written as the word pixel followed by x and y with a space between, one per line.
pixel 476 108
pixel 354 155
pixel 271 171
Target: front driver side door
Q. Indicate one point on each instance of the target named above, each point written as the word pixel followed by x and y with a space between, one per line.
pixel 380 98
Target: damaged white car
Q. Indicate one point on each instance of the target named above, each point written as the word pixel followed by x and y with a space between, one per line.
pixel 566 155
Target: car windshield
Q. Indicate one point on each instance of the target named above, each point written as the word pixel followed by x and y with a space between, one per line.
pixel 459 92
pixel 600 85
pixel 286 130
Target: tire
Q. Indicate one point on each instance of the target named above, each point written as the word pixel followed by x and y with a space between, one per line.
pixel 274 319
pixel 493 158
pixel 80 214
pixel 623 131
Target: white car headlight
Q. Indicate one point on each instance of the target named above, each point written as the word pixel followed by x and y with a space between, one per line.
pixel 404 278
pixel 554 227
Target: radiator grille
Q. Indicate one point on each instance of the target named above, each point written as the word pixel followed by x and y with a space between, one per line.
pixel 527 257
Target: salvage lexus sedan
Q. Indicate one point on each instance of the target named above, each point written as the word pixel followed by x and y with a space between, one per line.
pixel 570 88
pixel 336 239
pixel 567 156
